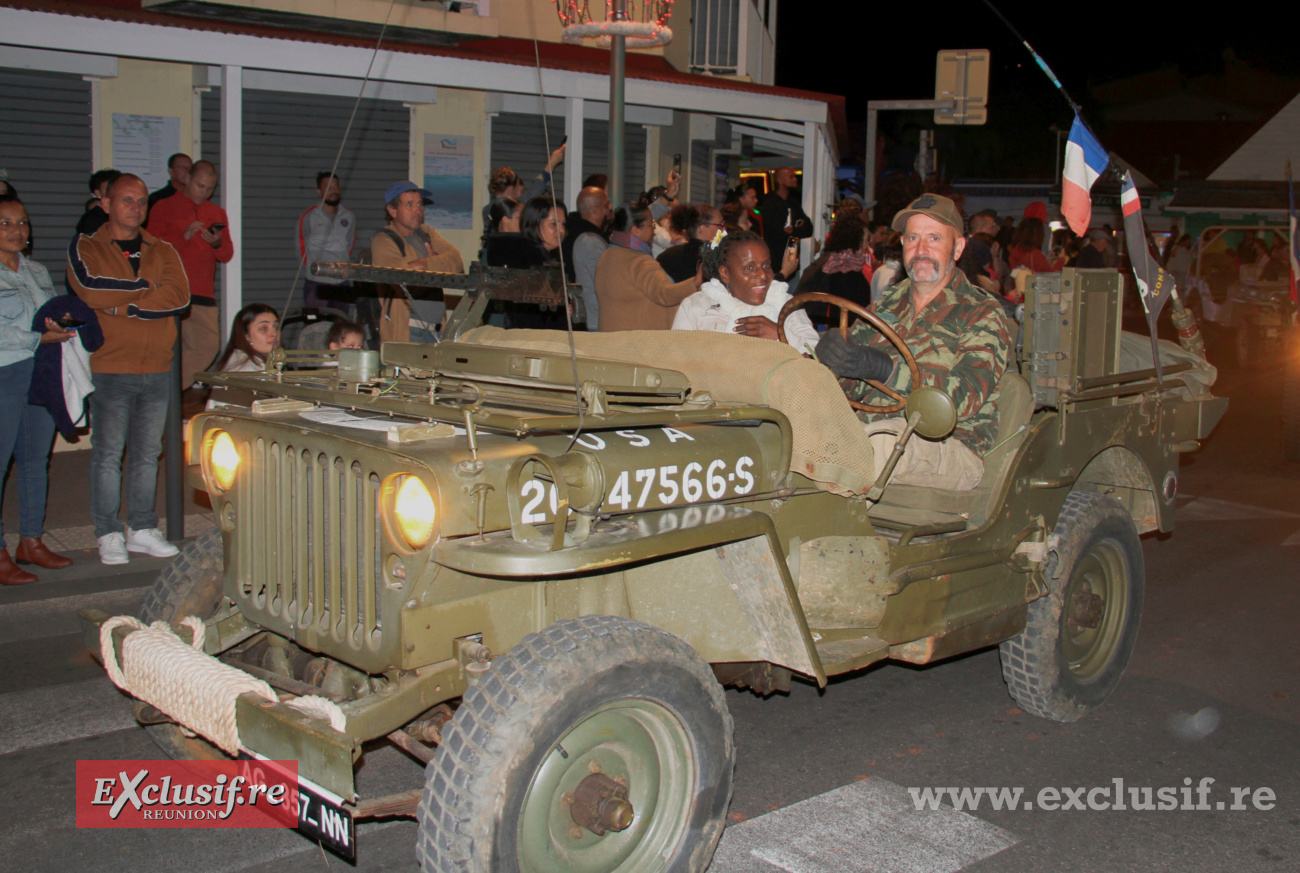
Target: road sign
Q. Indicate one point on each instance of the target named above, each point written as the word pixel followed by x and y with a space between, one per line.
pixel 962 77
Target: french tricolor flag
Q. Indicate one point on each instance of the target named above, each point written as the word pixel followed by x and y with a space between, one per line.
pixel 1129 201
pixel 1085 160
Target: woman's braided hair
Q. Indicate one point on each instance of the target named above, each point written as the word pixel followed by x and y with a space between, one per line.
pixel 712 258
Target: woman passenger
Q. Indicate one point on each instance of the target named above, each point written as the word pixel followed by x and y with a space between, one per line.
pixel 739 295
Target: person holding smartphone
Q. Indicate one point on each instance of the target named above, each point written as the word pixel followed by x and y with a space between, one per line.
pixel 196 228
pixel 783 216
pixel 26 431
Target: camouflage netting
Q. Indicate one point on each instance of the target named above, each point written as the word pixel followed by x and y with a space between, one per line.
pixel 829 445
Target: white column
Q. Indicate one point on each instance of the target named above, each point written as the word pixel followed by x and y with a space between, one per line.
pixel 414 148
pixel 96 134
pixel 196 123
pixel 232 191
pixel 573 173
pixel 811 185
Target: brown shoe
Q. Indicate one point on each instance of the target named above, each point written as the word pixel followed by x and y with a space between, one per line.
pixel 9 572
pixel 32 551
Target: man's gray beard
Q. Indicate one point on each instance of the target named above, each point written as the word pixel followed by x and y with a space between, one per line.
pixel 912 263
pixel 334 202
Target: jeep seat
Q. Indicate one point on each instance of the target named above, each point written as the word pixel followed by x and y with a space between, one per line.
pixel 921 505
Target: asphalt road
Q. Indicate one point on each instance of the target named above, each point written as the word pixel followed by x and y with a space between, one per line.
pixel 823 777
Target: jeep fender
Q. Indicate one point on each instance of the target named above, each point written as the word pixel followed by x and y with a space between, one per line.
pixel 1122 473
pixel 713 575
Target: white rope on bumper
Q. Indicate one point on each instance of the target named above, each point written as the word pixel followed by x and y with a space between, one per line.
pixel 190 685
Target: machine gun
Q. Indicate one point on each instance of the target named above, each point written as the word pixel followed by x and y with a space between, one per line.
pixel 543 286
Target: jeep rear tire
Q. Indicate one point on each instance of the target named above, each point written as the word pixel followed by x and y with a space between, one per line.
pixel 1078 639
pixel 190 585
pixel 591 695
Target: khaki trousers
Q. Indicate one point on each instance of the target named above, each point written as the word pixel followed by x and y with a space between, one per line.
pixel 943 464
pixel 200 341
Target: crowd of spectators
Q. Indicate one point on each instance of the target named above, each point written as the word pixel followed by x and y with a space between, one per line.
pixel 139 258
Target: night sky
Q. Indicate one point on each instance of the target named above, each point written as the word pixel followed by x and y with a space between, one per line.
pixel 891 55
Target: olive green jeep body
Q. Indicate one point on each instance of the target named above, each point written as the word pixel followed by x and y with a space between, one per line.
pixel 668 519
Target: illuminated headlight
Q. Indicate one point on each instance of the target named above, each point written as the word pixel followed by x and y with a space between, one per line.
pixel 414 511
pixel 223 459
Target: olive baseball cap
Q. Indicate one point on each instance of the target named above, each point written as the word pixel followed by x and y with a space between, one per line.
pixel 934 206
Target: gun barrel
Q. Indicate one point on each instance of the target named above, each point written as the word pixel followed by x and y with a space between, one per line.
pixel 542 285
pixel 394 276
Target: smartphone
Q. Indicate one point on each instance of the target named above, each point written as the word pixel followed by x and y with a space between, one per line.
pixel 677 162
pixel 67 322
pixel 793 245
pixel 565 141
pixel 217 227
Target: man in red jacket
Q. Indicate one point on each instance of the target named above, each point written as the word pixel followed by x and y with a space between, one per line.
pixel 196 228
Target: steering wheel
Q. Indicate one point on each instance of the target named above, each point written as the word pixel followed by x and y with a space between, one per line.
pixel 845 307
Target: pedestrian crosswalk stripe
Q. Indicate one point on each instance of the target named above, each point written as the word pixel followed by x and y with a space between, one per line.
pixel 33 619
pixel 870 826
pixel 56 713
pixel 1210 509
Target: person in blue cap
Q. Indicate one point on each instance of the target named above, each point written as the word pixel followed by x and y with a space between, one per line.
pixel 409 243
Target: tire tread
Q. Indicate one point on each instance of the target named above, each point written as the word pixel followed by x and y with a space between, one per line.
pixel 454 794
pixel 201 557
pixel 1029 659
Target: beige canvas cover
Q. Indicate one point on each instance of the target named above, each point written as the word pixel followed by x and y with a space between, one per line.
pixel 830 446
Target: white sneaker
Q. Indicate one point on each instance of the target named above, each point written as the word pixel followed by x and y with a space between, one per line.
pixel 112 549
pixel 151 542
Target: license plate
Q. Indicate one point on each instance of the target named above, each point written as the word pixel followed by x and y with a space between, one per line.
pixel 322 816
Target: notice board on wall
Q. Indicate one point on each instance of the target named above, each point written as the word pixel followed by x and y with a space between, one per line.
pixel 143 143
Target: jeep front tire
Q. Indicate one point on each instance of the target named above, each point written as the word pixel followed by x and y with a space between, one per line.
pixel 596 700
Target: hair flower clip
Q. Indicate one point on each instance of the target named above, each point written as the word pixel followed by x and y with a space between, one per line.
pixel 717 238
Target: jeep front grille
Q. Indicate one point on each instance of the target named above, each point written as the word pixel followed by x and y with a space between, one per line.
pixel 307 542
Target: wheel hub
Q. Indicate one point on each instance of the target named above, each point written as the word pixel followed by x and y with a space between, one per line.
pixel 623 773
pixel 1086 609
pixel 600 804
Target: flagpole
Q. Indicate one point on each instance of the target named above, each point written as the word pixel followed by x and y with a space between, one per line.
pixel 1188 331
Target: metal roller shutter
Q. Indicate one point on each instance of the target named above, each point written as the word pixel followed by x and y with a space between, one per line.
pixel 702 173
pixel 518 143
pixel 45 148
pixel 595 158
pixel 288 139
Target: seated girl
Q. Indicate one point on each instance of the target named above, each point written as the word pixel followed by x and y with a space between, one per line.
pixel 740 296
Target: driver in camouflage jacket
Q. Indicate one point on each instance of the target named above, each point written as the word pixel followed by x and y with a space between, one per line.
pixel 959 335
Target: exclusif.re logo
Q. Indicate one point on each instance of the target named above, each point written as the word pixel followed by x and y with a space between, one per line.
pixel 205 794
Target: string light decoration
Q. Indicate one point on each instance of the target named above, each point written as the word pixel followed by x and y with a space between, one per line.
pixel 646 24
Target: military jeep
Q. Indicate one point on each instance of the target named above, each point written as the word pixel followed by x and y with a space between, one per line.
pixel 532 560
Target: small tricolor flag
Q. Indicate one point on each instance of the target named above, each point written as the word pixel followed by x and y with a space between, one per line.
pixel 1154 284
pixel 1085 160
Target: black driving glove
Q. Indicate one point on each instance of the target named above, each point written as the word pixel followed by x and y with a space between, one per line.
pixel 848 360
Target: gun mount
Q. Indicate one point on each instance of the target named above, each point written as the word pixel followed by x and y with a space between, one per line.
pixel 543 286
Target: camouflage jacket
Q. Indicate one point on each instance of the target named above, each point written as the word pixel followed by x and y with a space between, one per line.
pixel 961 341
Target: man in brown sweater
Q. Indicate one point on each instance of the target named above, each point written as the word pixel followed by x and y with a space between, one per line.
pixel 136 284
pixel 409 243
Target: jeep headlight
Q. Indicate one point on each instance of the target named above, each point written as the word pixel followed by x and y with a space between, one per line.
pixel 414 511
pixel 223 459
